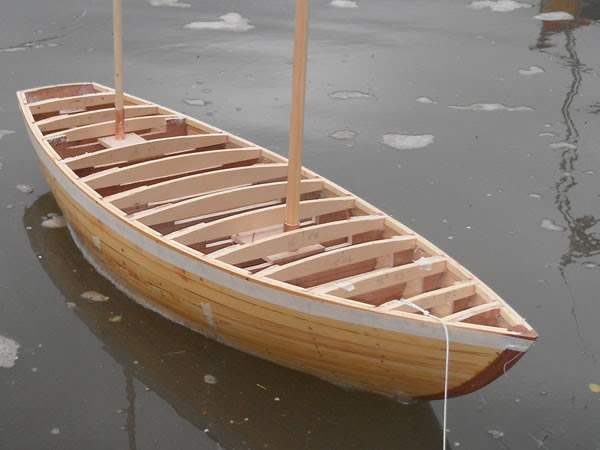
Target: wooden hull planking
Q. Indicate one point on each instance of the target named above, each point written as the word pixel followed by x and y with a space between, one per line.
pixel 390 352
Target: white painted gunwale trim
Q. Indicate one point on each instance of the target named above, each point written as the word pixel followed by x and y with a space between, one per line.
pixel 267 291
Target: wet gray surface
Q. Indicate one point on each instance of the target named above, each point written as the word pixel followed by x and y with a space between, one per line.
pixel 525 217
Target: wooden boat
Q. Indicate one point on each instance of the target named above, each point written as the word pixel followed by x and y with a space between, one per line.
pixel 189 218
pixel 153 352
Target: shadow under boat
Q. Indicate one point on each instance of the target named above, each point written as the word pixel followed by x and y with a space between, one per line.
pixel 173 362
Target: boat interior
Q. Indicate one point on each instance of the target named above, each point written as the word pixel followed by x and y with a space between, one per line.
pixel 224 198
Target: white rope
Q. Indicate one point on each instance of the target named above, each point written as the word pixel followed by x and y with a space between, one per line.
pixel 428 314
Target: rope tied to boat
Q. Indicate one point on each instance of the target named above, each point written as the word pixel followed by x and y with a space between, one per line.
pixel 428 314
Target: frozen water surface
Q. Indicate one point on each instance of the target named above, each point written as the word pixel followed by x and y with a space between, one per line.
pixel 54 222
pixel 554 16
pixel 491 107
pixel 499 6
pixel 5 133
pixel 349 95
pixel 343 134
pixel 549 225
pixel 196 102
pixel 426 101
pixel 562 146
pixel 407 141
pixel 228 22
pixel 172 3
pixel 344 4
pixel 24 188
pixel 533 70
pixel 8 352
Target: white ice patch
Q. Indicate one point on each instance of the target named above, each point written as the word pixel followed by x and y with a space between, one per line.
pixel 491 107
pixel 548 134
pixel 229 22
pixel 562 146
pixel 534 195
pixel 498 6
pixel 533 70
pixel 348 95
pixel 8 352
pixel 54 222
pixel 426 101
pixel 343 134
pixel 553 16
pixel 173 3
pixel 407 141
pixel 24 188
pixel 549 225
pixel 196 102
pixel 344 4
pixel 5 133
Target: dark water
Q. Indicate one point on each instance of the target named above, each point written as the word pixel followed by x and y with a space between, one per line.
pixel 481 191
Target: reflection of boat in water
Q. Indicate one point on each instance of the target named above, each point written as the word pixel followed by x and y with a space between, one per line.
pixel 172 361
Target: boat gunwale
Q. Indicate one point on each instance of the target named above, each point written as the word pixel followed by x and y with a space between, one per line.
pixel 146 231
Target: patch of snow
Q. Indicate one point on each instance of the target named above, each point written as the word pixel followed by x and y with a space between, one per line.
pixel 24 188
pixel 348 95
pixel 5 133
pixel 196 102
pixel 173 3
pixel 426 101
pixel 54 222
pixel 343 134
pixel 407 141
pixel 8 352
pixel 491 107
pixel 498 6
pixel 562 146
pixel 549 225
pixel 344 4
pixel 554 16
pixel 533 70
pixel 229 22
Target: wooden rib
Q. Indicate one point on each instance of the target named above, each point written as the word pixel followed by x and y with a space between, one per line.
pixel 296 239
pixel 169 166
pixel 146 150
pixel 440 296
pixel 108 128
pixel 221 201
pixel 468 313
pixel 383 278
pixel 254 220
pixel 197 184
pixel 340 257
pixel 79 101
pixel 92 117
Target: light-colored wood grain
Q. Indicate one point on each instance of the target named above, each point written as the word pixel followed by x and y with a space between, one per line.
pixel 221 201
pixel 79 101
pixel 468 313
pixel 299 238
pixel 108 128
pixel 382 278
pixel 254 220
pixel 441 296
pixel 148 150
pixel 169 166
pixel 197 184
pixel 339 257
pixel 297 115
pixel 92 117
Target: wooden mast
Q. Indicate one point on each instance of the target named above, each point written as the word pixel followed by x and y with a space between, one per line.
pixel 297 117
pixel 119 111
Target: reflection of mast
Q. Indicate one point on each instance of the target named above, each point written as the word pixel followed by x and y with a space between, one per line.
pixel 583 242
pixel 130 389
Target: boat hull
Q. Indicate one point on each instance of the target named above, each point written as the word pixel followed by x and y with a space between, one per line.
pixel 354 344
pixel 395 364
